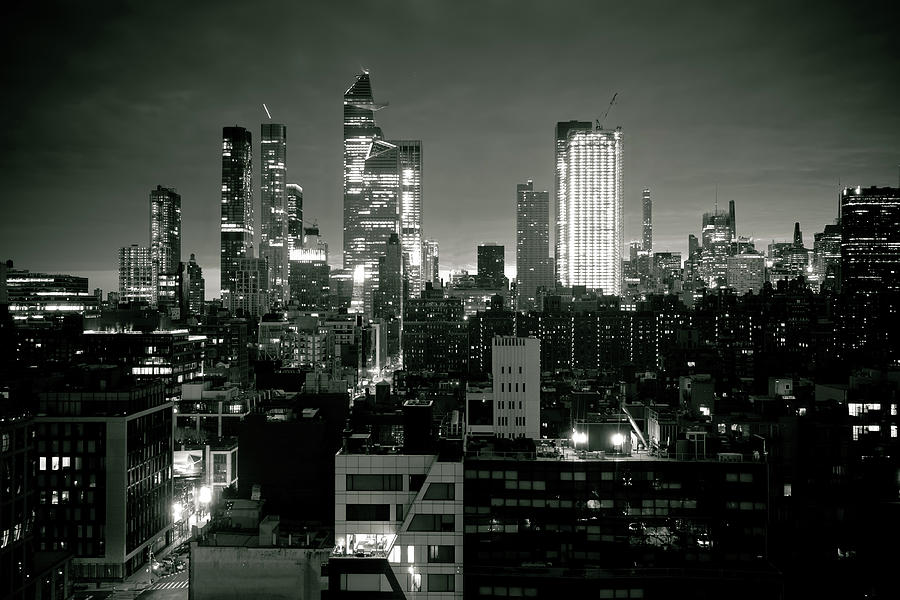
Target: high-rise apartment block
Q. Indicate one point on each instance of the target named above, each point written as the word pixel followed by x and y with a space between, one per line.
pixel 252 292
pixel 534 269
pixel 135 274
pixel 491 264
pixel 746 272
pixel 589 206
pixel 647 221
pixel 273 195
pixel 165 234
pixel 237 205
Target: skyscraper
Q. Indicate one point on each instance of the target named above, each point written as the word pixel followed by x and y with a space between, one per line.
pixel 411 212
pixel 590 207
pixel 491 262
pixel 371 189
pixel 870 274
pixel 432 263
pixel 135 274
pixel 533 267
pixel 647 207
pixel 562 220
pixel 196 286
pixel 237 204
pixel 274 218
pixel 294 216
pixel 165 235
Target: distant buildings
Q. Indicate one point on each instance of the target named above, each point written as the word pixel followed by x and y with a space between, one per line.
pixel 534 268
pixel 251 293
pixel 590 206
pixel 135 274
pixel 746 272
pixel 431 263
pixel 273 196
pixel 491 262
pixel 294 194
pixel 237 224
pixel 41 298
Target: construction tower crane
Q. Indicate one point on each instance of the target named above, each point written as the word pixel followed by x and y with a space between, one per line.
pixel 608 108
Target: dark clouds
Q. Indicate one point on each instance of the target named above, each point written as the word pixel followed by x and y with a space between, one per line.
pixel 773 102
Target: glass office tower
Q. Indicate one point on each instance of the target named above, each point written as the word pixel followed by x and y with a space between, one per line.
pixel 237 204
pixel 274 218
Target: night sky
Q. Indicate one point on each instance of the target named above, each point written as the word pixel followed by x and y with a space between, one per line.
pixel 773 103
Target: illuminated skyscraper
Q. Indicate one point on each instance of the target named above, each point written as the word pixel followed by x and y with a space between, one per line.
pixel 165 235
pixel 371 190
pixel 295 216
pixel 589 206
pixel 237 205
pixel 411 212
pixel 533 266
pixel 274 219
pixel 135 274
pixel 647 208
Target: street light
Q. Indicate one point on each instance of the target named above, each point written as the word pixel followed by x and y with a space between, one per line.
pixel 617 440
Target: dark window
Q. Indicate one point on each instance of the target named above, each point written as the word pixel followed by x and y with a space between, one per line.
pixel 368 512
pixel 440 491
pixel 416 481
pixel 399 512
pixel 424 522
pixel 374 483
pixel 440 583
pixel 441 554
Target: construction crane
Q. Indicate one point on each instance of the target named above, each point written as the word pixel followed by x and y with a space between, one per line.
pixel 266 108
pixel 608 108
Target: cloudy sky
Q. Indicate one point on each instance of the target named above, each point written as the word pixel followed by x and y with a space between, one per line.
pixel 776 104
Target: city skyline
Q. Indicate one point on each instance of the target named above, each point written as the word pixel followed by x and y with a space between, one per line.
pixel 783 123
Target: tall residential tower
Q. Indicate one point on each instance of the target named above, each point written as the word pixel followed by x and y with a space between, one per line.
pixel 647 209
pixel 589 196
pixel 237 205
pixel 533 266
pixel 411 212
pixel 274 218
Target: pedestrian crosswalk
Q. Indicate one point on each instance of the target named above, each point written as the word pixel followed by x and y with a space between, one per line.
pixel 170 585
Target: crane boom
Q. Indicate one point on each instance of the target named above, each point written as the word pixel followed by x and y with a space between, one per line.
pixel 608 108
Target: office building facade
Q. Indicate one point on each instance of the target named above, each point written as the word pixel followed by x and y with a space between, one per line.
pixel 294 193
pixel 411 213
pixel 647 221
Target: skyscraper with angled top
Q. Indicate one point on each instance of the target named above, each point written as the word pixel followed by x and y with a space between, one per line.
pixel 371 189
pixel 237 205
pixel 589 206
pixel 274 219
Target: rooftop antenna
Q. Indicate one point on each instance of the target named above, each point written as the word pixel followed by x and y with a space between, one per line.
pixel 608 108
pixel 266 108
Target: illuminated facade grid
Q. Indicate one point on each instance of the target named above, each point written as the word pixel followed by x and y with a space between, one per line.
pixel 135 274
pixel 591 209
pixel 237 204
pixel 273 192
pixel 647 223
pixel 562 138
pixel 294 194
